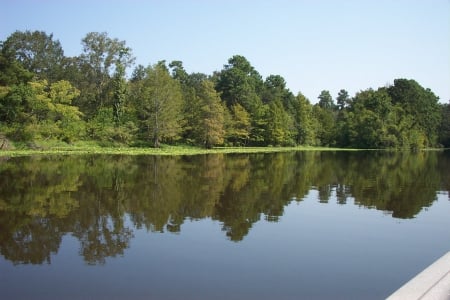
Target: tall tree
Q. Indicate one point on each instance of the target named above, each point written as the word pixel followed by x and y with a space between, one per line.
pixel 422 104
pixel 240 83
pixel 178 72
pixel 191 84
pixel 12 72
pixel 279 125
pixel 159 105
pixel 324 113
pixel 13 104
pixel 343 102
pixel 119 93
pixel 444 128
pixel 210 130
pixel 238 131
pixel 37 52
pixel 101 54
pixel 304 121
pixel 373 121
pixel 274 88
pixel 343 99
pixel 324 126
pixel 51 113
pixel 325 100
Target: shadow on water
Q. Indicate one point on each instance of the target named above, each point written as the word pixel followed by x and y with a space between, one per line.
pixel 43 199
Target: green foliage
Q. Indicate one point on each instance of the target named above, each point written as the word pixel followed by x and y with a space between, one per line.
pixel 305 122
pixel 239 125
pixel 51 113
pixel 368 118
pixel 279 125
pixel 210 128
pixel 41 111
pixel 97 64
pixel 12 72
pixel 101 127
pixel 159 104
pixel 325 100
pixel 37 52
pixel 119 94
pixel 444 129
pixel 239 83
pixel 47 96
pixel 13 103
pixel 343 99
pixel 324 126
pixel 420 103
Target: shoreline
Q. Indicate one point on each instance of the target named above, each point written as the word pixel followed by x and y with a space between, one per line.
pixel 164 150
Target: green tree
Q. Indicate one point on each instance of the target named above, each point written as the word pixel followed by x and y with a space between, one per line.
pixel 304 121
pixel 279 125
pixel 274 88
pixel 51 112
pixel 101 55
pixel 343 99
pixel 13 101
pixel 240 83
pixel 119 94
pixel 101 127
pixel 324 126
pixel 343 102
pixel 14 117
pixel 41 110
pixel 238 129
pixel 373 121
pixel 325 100
pixel 444 128
pixel 368 128
pixel 280 119
pixel 191 86
pixel 210 130
pixel 12 72
pixel 178 72
pixel 37 52
pixel 159 105
pixel 326 119
pixel 421 104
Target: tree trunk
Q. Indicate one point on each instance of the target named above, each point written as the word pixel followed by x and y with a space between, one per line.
pixel 156 143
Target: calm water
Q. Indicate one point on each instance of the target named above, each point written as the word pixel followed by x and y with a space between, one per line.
pixel 304 225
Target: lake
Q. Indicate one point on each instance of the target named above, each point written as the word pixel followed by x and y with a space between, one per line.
pixel 295 225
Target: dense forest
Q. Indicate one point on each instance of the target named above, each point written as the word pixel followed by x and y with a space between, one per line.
pixel 47 96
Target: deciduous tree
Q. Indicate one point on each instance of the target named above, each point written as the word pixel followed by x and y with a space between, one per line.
pixel 159 105
pixel 37 52
pixel 422 104
pixel 210 130
pixel 101 54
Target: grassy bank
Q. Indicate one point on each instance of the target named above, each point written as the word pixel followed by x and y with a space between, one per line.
pixel 92 148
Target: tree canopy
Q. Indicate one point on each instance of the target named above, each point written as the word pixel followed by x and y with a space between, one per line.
pixel 47 95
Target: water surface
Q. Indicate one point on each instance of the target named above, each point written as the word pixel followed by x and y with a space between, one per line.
pixel 311 225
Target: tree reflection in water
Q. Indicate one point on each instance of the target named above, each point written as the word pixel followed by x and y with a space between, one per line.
pixel 90 197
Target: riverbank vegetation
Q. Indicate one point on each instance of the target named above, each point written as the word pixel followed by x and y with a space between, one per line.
pixel 47 97
pixel 81 147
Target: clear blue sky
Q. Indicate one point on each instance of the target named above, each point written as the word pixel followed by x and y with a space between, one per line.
pixel 315 45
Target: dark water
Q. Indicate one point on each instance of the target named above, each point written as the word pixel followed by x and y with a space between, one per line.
pixel 300 225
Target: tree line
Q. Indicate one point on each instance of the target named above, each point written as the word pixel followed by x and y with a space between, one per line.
pixel 45 95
